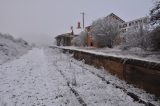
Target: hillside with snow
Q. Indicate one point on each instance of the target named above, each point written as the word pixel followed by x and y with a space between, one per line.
pixel 11 48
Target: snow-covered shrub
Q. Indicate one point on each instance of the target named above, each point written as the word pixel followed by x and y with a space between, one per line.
pixel 154 38
pixel 104 31
pixel 80 40
pixel 7 36
pixel 74 80
pixel 147 40
pixel 11 48
pixel 155 14
pixel 137 38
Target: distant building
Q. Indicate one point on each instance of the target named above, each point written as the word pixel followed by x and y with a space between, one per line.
pixel 92 41
pixel 133 25
pixel 64 39
pixel 114 17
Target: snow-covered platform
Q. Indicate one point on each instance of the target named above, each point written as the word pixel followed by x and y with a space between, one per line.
pixel 144 73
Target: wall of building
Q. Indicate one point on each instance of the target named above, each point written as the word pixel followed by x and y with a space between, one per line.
pixel 64 39
pixel 134 25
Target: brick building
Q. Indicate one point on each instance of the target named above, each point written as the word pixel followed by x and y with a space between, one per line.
pixel 64 39
pixel 133 25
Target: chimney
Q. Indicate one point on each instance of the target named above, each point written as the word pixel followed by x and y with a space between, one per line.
pixel 78 25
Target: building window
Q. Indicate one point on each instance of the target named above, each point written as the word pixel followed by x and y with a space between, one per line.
pixel 124 25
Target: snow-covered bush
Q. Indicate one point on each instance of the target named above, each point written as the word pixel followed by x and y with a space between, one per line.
pixel 154 37
pixel 137 38
pixel 146 39
pixel 104 31
pixel 155 14
pixel 80 40
pixel 7 36
pixel 11 48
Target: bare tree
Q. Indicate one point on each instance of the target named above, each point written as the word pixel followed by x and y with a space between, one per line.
pixel 104 32
pixel 137 38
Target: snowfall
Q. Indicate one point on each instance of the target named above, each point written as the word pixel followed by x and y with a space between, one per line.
pixel 47 77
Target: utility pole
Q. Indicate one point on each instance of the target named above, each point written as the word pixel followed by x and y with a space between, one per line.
pixel 83 18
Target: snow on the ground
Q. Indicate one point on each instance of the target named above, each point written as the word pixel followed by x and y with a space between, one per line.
pixel 32 81
pixel 133 53
pixel 94 90
pixel 11 48
pixel 47 77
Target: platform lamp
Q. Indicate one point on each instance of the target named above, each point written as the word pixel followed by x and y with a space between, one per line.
pixel 72 33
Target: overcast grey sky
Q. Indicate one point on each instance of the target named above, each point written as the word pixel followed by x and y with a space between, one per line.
pixel 41 20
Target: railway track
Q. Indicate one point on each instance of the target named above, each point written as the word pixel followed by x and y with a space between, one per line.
pixel 80 99
pixel 69 84
pixel 132 95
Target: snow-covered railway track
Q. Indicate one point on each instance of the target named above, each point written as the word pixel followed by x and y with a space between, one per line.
pixel 95 87
pixel 69 84
pixel 132 95
pixel 80 99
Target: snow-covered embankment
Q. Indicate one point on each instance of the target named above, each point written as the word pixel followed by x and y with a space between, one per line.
pixel 11 48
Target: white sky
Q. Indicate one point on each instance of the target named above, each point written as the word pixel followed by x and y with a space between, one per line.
pixel 40 21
